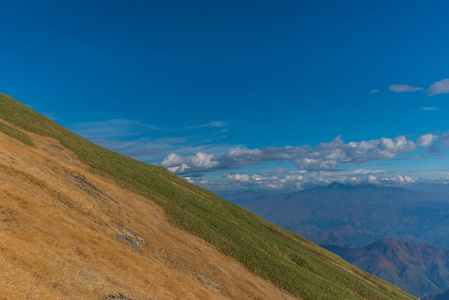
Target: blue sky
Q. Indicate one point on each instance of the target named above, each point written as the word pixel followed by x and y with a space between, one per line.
pixel 228 86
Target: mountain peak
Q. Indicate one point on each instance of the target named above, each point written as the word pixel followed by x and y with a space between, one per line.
pixel 337 185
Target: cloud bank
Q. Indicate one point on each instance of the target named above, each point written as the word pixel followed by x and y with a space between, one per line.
pixel 282 179
pixel 323 157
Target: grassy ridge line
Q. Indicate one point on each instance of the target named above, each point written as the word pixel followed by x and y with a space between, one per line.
pixel 286 259
pixel 17 134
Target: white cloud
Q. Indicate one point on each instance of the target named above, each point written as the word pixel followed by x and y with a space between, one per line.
pixel 282 179
pixel 372 179
pixel 374 91
pixel 324 156
pixel 180 164
pixel 401 88
pixel 396 180
pixel 293 180
pixel 426 140
pixel 244 177
pixel 439 87
pixel 175 163
pixel 172 160
pixel 203 161
pixel 429 108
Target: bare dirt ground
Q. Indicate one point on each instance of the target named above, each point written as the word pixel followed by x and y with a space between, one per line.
pixel 66 233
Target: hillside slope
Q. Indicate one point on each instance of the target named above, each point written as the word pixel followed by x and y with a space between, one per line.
pixel 83 206
pixel 66 232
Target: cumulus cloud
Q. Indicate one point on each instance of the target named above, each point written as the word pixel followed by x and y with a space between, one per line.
pixel 288 180
pixel 203 161
pixel 439 87
pixel 175 163
pixel 283 179
pixel 394 180
pixel 401 88
pixel 426 140
pixel 403 180
pixel 324 156
pixel 180 164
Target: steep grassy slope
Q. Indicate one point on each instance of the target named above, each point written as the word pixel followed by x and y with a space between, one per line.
pixel 16 134
pixel 286 259
pixel 66 233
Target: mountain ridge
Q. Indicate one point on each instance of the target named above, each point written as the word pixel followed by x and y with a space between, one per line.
pixel 418 269
pixel 354 216
pixel 289 261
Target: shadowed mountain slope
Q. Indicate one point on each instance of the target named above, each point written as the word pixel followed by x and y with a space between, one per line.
pixel 417 269
pixel 354 216
pixel 433 188
pixel 441 296
pixel 82 221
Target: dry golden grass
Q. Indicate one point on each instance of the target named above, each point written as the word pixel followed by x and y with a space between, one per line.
pixel 58 237
pixel 286 259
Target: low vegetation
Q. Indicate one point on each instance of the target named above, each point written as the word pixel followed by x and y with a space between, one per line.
pixel 16 134
pixel 285 258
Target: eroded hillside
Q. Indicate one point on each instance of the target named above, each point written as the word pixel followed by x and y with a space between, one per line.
pixel 67 233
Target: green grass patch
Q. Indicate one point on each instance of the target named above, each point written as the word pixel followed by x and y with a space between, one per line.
pixel 17 134
pixel 283 257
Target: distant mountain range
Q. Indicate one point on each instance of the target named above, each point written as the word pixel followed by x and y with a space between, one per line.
pixel 433 188
pixel 354 216
pixel 417 269
pixel 441 296
pixel 386 231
